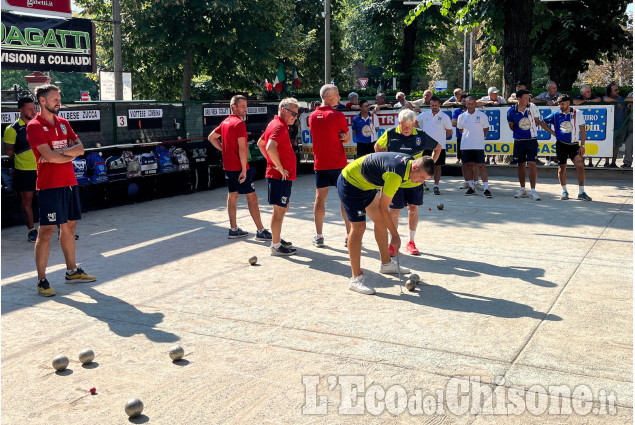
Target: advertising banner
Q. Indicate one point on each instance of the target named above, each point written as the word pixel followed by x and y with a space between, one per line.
pixel 61 8
pixel 40 44
pixel 499 140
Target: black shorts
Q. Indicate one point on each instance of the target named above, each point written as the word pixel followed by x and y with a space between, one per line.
pixel 473 155
pixel 365 149
pixel 354 200
pixel 279 192
pixel 231 179
pixel 440 160
pixel 565 151
pixel 407 196
pixel 59 205
pixel 326 178
pixel 525 150
pixel 24 180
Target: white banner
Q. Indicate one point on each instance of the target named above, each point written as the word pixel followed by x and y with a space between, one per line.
pixel 144 113
pixel 10 117
pixel 599 131
pixel 223 112
pixel 107 85
pixel 88 115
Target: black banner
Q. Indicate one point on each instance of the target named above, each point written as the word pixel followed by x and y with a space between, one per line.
pixel 40 44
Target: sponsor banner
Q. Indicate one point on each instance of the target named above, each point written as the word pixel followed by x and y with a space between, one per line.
pixel 499 140
pixel 88 115
pixel 10 117
pixel 223 112
pixel 60 8
pixel 145 118
pixel 40 44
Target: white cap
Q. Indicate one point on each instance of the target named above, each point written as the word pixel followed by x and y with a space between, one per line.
pixel 492 90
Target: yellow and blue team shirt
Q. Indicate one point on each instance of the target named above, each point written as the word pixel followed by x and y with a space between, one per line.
pixel 382 170
pixel 24 157
pixel 566 125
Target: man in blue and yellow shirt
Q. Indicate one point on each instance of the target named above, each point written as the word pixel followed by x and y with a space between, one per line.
pixel 25 173
pixel 359 189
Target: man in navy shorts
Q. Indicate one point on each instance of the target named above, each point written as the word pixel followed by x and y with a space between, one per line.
pixel 276 147
pixel 230 137
pixel 329 132
pixel 55 145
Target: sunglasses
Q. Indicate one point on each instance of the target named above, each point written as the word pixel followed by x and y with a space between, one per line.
pixel 293 114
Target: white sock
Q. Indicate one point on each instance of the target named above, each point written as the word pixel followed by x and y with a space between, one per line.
pixel 533 190
pixel 436 185
pixel 260 230
pixel 276 245
pixel 319 236
pixel 471 183
pixel 581 189
pixel 71 271
pixel 412 235
pixel 485 185
pixel 234 229
pixel 564 187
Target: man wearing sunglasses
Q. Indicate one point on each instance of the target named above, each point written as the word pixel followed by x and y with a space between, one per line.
pixel 329 131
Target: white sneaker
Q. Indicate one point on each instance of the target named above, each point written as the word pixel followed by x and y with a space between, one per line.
pixel 478 186
pixel 318 241
pixel 358 286
pixel 522 193
pixel 393 268
pixel 534 196
pixel 464 185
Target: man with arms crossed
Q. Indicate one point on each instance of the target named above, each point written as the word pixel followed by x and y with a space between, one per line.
pixel 329 131
pixel 569 126
pixel 437 125
pixel 55 145
pixel 25 172
pixel 523 119
pixel 275 145
pixel 358 187
pixel 405 139
pixel 474 126
pixel 230 137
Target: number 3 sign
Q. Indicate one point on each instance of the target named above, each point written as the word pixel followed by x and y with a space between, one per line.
pixel 122 121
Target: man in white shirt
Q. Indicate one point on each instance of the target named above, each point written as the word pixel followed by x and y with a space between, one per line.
pixel 474 126
pixel 437 125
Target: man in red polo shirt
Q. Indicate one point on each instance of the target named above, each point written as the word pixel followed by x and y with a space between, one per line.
pixel 230 137
pixel 275 145
pixel 55 145
pixel 329 131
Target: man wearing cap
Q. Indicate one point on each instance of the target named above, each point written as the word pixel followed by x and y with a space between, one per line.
pixel 569 127
pixel 492 98
pixel 359 189
pixel 520 85
pixel 524 119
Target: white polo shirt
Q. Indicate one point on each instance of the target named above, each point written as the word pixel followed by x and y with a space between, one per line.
pixel 472 126
pixel 435 125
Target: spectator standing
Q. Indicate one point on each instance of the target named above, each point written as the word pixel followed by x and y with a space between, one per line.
pixel 586 95
pixel 364 129
pixel 437 125
pixel 550 97
pixel 230 137
pixel 455 100
pixel 619 118
pixel 25 170
pixel 381 102
pixel 524 119
pixel 520 85
pixel 425 101
pixel 401 99
pixel 474 126
pixel 353 102
pixel 281 170
pixel 329 131
pixel 569 127
pixel 628 149
pixel 55 145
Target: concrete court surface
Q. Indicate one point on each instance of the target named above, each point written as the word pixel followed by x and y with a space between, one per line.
pixel 516 294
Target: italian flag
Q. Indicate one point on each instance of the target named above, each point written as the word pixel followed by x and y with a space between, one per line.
pixel 279 78
pixel 296 79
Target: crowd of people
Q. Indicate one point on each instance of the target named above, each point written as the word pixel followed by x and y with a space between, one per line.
pixel 388 175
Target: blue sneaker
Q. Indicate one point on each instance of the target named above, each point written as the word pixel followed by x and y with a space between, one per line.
pixel 238 233
pixel 263 235
pixel 32 236
pixel 584 197
pixel 564 196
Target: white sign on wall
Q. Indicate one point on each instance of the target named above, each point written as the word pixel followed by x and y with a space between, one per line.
pixel 107 85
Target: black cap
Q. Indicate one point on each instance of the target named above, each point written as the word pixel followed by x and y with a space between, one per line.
pixel 563 98
pixel 522 83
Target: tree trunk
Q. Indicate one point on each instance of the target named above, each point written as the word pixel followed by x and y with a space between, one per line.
pixel 517 49
pixel 563 76
pixel 409 39
pixel 187 77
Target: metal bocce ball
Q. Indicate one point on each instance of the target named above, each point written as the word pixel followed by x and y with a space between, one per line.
pixel 253 260
pixel 411 285
pixel 60 362
pixel 134 407
pixel 439 206
pixel 176 353
pixel 86 356
pixel 415 278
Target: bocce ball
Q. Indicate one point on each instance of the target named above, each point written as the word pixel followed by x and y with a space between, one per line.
pixel 134 407
pixel 411 285
pixel 253 260
pixel 86 356
pixel 60 362
pixel 176 353
pixel 439 206
pixel 415 278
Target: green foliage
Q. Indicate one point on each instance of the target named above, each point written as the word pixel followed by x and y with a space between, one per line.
pixel 71 83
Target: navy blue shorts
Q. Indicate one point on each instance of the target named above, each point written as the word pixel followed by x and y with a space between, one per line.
pixel 525 150
pixel 279 192
pixel 24 180
pixel 326 178
pixel 231 179
pixel 473 155
pixel 566 151
pixel 59 205
pixel 407 196
pixel 440 160
pixel 365 149
pixel 354 200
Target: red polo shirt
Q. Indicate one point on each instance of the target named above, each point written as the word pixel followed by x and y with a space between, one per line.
pixel 325 124
pixel 278 130
pixel 39 132
pixel 230 130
